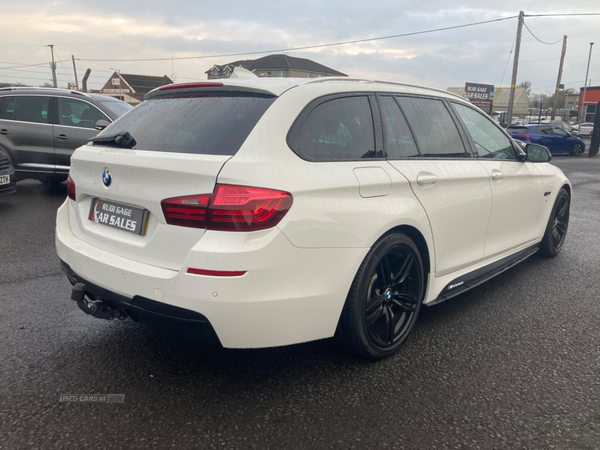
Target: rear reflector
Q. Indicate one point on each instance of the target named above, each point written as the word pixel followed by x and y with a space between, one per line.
pixel 186 211
pixel 229 208
pixel 71 188
pixel 216 273
pixel 171 87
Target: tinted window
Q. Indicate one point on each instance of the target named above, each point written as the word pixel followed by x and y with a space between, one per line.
pixel 338 129
pixel 75 113
pixel 32 109
pixel 8 108
pixel 215 124
pixel 544 130
pixel 433 127
pixel 489 141
pixel 398 141
pixel 558 131
pixel 116 106
pixel 519 130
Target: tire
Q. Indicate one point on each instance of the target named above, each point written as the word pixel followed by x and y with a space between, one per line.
pixel 384 300
pixel 577 149
pixel 558 224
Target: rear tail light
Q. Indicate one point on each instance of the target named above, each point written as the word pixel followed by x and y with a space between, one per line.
pixel 186 211
pixel 523 136
pixel 229 208
pixel 239 208
pixel 71 188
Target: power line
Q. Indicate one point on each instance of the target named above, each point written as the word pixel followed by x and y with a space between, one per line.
pixel 356 41
pixel 26 65
pixel 508 59
pixel 561 15
pixel 547 43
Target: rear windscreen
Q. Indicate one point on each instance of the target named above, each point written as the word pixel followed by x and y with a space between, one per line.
pixel 207 124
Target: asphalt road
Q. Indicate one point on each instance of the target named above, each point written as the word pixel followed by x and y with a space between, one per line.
pixel 512 364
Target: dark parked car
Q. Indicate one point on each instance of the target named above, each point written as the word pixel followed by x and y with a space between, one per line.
pixel 556 139
pixel 40 128
pixel 7 175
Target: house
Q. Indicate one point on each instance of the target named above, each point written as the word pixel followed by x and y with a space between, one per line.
pixel 276 66
pixel 132 88
pixel 588 108
pixel 501 98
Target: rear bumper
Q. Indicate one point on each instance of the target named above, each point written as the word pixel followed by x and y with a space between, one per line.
pixel 178 321
pixel 288 295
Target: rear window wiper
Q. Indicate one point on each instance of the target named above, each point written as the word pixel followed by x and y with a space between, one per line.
pixel 121 139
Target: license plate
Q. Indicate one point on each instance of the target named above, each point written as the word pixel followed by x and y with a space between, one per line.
pixel 119 216
pixel 4 179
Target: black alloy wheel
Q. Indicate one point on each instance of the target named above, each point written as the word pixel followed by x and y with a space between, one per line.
pixel 557 227
pixel 385 298
pixel 577 149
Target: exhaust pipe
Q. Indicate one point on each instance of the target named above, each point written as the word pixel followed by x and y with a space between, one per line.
pixel 97 308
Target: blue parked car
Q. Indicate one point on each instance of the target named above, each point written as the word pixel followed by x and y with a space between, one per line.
pixel 555 138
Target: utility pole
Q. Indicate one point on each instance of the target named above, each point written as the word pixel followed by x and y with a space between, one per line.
pixel 513 82
pixel 53 65
pixel 75 72
pixel 581 104
pixel 560 69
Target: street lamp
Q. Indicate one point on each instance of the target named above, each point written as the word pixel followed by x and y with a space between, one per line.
pixel 582 104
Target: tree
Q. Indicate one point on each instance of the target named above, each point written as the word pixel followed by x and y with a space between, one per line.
pixel 562 96
pixel 527 86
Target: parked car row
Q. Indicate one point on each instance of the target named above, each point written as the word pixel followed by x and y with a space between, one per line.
pixel 40 128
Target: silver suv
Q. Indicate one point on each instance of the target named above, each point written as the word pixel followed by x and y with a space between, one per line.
pixel 40 128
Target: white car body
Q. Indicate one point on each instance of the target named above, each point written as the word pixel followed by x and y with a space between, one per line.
pixel 467 214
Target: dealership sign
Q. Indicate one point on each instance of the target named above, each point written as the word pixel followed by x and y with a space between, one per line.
pixel 479 93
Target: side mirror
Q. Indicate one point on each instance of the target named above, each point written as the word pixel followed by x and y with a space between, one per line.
pixel 537 153
pixel 101 124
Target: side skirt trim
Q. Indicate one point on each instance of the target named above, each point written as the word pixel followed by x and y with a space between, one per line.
pixel 479 276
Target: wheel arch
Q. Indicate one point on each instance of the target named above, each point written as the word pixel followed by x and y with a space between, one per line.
pixel 419 241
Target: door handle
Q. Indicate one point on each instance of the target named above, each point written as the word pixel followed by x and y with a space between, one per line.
pixel 497 175
pixel 62 137
pixel 3 131
pixel 428 179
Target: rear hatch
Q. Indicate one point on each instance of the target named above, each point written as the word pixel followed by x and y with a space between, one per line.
pixel 178 142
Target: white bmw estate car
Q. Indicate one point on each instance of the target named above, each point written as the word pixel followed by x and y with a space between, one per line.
pixel 266 212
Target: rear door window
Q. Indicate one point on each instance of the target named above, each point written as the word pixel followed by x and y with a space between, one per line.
pixel 202 123
pixel 340 129
pixel 7 109
pixel 433 128
pixel 32 109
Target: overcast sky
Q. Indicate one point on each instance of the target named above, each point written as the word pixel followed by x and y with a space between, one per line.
pixel 150 29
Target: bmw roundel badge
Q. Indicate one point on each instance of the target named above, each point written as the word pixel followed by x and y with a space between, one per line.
pixel 106 178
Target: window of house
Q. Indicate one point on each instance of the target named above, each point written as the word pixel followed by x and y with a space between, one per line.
pixel 433 128
pixel 338 129
pixel 590 113
pixel 281 73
